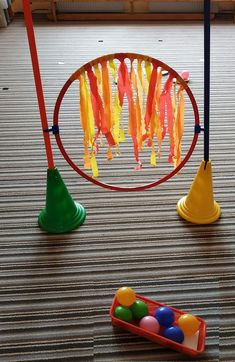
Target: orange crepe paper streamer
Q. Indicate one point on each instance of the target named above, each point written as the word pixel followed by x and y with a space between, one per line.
pixel 121 81
pixel 142 85
pixel 140 72
pixel 109 154
pixel 150 115
pixel 98 109
pixel 124 87
pixel 165 107
pixel 96 101
pixel 132 113
pixel 121 92
pixel 107 98
pixel 170 119
pixel 106 95
pixel 137 107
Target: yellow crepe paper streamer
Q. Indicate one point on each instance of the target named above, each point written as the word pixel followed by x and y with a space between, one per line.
pixel 153 160
pixel 118 133
pixel 139 71
pixel 148 71
pixel 122 137
pixel 159 83
pixel 94 166
pixel 140 91
pixel 113 69
pixel 88 125
pixel 98 74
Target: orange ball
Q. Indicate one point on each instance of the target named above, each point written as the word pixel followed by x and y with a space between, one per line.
pixel 126 296
pixel 189 324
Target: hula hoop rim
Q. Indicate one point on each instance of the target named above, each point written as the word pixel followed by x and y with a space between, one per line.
pixel 123 56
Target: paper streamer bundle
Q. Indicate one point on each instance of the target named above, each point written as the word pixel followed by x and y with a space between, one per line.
pixel 155 107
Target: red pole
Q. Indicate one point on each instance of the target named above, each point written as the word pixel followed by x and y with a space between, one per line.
pixel 38 82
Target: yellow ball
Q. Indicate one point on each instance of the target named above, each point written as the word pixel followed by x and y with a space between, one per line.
pixel 188 324
pixel 126 296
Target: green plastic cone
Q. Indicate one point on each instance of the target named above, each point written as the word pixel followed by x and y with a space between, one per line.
pixel 61 214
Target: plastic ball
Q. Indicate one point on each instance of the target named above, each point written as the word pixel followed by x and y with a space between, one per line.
pixel 150 324
pixel 139 309
pixel 185 75
pixel 126 296
pixel 123 313
pixel 165 316
pixel 174 333
pixel 189 324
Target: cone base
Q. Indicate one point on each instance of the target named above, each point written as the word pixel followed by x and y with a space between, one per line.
pixel 77 220
pixel 188 215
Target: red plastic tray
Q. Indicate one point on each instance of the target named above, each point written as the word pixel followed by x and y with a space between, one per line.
pixel 134 327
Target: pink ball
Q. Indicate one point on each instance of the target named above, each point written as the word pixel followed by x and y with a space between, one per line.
pixel 150 324
pixel 185 75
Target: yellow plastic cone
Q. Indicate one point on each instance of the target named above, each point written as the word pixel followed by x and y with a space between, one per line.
pixel 199 206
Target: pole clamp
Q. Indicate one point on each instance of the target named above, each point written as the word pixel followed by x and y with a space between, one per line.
pixel 198 128
pixel 54 129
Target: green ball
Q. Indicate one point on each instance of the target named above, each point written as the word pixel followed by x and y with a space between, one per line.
pixel 123 313
pixel 139 309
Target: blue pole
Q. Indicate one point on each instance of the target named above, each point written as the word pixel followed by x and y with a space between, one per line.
pixel 207 11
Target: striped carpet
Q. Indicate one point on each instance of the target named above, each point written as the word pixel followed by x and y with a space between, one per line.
pixel 56 290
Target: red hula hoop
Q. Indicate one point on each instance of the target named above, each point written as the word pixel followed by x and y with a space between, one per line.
pixel 121 56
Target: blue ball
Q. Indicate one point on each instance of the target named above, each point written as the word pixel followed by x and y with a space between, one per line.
pixel 174 333
pixel 165 316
